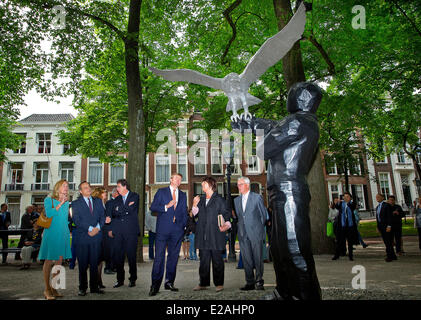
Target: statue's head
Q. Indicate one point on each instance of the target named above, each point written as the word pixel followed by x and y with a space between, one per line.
pixel 304 96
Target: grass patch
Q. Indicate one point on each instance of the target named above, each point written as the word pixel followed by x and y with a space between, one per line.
pixel 368 229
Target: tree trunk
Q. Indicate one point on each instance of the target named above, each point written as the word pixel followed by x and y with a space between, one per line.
pixel 137 142
pixel 293 71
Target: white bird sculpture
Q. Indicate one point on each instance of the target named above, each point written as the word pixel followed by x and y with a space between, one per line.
pixel 236 86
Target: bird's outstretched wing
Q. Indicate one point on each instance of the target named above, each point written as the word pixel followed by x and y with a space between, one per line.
pixel 275 48
pixel 188 75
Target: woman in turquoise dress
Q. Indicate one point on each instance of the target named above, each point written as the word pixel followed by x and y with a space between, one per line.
pixel 55 245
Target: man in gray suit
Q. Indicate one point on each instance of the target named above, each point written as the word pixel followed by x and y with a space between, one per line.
pixel 252 216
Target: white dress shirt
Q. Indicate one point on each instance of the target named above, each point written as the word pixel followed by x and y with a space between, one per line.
pixel 244 198
pixel 176 196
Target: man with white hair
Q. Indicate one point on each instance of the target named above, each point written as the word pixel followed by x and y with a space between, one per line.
pixel 252 216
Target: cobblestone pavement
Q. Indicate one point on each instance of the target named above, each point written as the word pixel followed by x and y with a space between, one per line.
pixel 397 280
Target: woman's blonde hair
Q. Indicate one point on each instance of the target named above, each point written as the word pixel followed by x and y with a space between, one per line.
pixel 98 191
pixel 57 187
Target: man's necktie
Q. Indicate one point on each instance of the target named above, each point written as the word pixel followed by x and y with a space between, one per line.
pixel 90 205
pixel 174 198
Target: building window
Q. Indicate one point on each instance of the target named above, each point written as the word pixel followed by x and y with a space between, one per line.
pixel 401 157
pixel 384 184
pixel 44 142
pixel 162 169
pixel 41 176
pixel 358 193
pixel 334 191
pixel 95 171
pixel 16 173
pixel 116 172
pixel 355 168
pixel 13 206
pixel 220 186
pixel 331 168
pixel 65 148
pixel 39 199
pixel 198 189
pixel 198 134
pixel 253 165
pixel 236 169
pixel 67 170
pixel 255 187
pixel 22 148
pixel 200 161
pixel 216 162
pixel 182 166
pixel 418 157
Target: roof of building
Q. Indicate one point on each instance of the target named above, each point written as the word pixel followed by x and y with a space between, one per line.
pixel 40 117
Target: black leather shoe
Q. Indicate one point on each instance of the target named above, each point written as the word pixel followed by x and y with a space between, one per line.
pixel 132 284
pixel 101 286
pixel 170 286
pixel 118 284
pixel 248 287
pixel 153 291
pixel 388 260
pixel 98 291
pixel 82 293
pixel 351 259
pixel 335 258
pixel 109 271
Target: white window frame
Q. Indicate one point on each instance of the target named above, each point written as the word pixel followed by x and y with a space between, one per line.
pixel 38 142
pixel 362 198
pixel 205 162
pixel 102 174
pixel 220 162
pixel 23 142
pixel 11 172
pixel 185 177
pixel 60 167
pixel 257 171
pixel 169 164
pixel 388 182
pixel 111 183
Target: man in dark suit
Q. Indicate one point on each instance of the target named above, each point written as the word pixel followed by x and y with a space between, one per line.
pixel 397 215
pixel 171 205
pixel 88 217
pixel 384 226
pixel 252 216
pixel 5 221
pixel 345 227
pixel 107 240
pixel 125 230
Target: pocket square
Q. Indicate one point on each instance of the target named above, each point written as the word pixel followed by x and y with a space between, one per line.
pixel 131 203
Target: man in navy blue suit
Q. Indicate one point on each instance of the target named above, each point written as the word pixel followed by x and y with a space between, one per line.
pixel 89 218
pixel 124 228
pixel 171 205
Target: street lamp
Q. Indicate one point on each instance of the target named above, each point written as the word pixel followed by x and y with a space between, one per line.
pixel 228 155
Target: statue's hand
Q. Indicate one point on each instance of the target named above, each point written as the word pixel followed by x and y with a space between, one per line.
pixel 243 123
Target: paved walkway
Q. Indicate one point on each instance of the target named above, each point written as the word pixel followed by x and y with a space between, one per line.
pixel 396 280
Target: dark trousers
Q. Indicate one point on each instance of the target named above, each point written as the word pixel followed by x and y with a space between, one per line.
pixel 87 253
pixel 5 242
pixel 125 244
pixel 291 247
pixel 397 236
pixel 344 235
pixel 206 256
pixel 163 242
pixel 388 242
pixel 252 254
pixel 419 237
pixel 108 245
pixel 152 237
pixel 20 245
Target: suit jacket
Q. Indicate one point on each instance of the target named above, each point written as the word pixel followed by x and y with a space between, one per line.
pixel 164 221
pixel 124 216
pixel 208 236
pixel 108 213
pixel 251 223
pixel 386 215
pixel 83 219
pixel 337 225
pixel 7 220
pixel 397 218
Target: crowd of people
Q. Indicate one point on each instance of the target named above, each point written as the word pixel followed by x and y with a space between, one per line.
pixel 96 232
pixel 345 218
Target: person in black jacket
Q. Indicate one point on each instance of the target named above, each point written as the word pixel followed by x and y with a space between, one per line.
pixel 190 232
pixel 345 227
pixel 397 215
pixel 210 238
pixel 384 217
pixel 5 221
